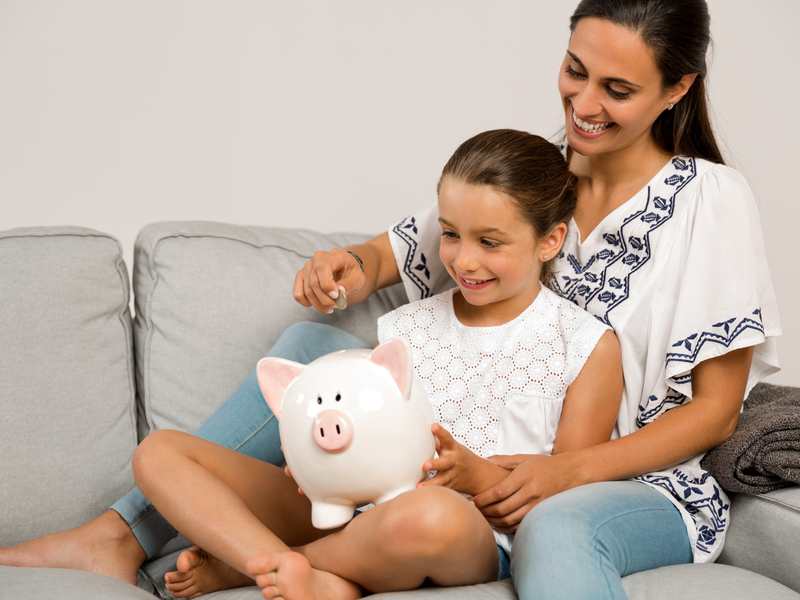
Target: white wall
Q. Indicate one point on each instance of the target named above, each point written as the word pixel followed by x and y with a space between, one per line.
pixel 332 115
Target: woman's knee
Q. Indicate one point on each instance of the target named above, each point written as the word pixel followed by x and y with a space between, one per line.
pixel 306 341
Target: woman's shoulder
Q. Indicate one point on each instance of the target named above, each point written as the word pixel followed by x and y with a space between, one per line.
pixel 712 175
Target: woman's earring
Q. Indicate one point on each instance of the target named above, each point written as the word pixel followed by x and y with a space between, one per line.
pixel 545 256
pixel 670 106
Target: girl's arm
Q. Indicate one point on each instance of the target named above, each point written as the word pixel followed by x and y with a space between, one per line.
pixel 317 283
pixel 592 402
pixel 718 386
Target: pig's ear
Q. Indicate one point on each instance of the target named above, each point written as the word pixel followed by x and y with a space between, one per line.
pixel 274 376
pixel 395 355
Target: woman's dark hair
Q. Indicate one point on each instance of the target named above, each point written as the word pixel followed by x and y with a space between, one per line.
pixel 678 34
pixel 526 167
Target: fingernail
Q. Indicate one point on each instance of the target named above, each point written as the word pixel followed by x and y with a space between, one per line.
pixel 334 295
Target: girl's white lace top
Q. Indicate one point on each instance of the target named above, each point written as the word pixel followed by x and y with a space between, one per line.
pixel 498 390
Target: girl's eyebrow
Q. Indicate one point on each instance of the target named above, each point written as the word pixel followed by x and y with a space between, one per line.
pixel 614 79
pixel 480 230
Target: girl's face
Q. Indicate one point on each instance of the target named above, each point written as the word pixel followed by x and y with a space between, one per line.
pixel 611 89
pixel 490 252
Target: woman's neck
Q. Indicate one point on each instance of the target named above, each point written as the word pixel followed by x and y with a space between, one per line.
pixel 607 181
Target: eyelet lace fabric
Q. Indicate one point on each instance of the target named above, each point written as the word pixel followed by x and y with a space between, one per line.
pixel 493 384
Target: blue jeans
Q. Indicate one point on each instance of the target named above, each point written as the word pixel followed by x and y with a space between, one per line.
pixel 243 423
pixel 580 543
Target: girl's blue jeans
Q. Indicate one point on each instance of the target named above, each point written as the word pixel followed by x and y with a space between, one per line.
pixel 577 544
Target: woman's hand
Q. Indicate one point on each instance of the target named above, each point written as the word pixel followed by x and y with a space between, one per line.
pixel 458 468
pixel 317 283
pixel 533 478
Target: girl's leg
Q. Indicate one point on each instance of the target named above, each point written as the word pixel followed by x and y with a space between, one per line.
pixel 233 505
pixel 580 543
pixel 118 541
pixel 430 533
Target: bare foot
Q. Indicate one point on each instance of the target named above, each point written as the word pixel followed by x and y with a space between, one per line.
pixel 200 573
pixel 292 577
pixel 104 545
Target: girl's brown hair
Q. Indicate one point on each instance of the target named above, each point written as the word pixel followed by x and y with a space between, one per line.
pixel 526 167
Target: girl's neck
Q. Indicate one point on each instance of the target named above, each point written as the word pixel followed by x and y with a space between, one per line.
pixel 607 181
pixel 491 315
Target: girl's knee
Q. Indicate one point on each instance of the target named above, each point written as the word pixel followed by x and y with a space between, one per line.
pixel 428 521
pixel 152 451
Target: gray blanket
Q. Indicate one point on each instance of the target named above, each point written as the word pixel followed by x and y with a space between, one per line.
pixel 763 454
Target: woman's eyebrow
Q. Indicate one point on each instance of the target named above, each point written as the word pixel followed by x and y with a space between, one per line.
pixel 614 79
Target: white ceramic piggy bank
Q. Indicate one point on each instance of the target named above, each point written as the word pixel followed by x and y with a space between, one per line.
pixel 355 426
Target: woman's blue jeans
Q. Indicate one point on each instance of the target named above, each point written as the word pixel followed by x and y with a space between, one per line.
pixel 244 423
pixel 579 544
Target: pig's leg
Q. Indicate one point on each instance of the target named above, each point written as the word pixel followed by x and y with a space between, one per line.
pixel 430 532
pixel 230 504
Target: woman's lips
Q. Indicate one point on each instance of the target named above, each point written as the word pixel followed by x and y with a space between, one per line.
pixel 589 129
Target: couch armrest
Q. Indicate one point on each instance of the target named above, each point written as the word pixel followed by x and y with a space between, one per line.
pixel 764 535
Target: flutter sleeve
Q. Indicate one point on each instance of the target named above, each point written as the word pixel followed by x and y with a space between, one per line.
pixel 725 300
pixel 415 243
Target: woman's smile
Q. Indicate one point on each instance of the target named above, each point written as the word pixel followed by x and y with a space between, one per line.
pixel 588 126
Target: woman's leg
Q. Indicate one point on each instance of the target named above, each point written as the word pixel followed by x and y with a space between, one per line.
pixel 580 543
pixel 430 533
pixel 118 541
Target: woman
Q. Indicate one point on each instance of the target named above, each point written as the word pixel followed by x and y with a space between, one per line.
pixel 667 251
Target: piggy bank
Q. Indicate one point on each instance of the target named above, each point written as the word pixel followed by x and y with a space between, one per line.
pixel 355 426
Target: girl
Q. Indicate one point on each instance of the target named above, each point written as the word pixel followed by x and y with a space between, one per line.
pixel 509 365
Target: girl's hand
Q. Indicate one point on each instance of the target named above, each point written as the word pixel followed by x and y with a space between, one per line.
pixel 459 468
pixel 317 283
pixel 452 465
pixel 534 478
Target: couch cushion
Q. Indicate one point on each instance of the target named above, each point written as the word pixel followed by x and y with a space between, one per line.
pixel 211 299
pixel 64 584
pixel 66 379
pixel 764 535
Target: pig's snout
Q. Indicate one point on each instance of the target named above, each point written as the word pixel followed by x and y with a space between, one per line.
pixel 333 431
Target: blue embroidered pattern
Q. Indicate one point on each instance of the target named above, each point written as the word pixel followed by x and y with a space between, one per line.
pixel 652 408
pixel 732 328
pixel 709 513
pixel 604 280
pixel 418 273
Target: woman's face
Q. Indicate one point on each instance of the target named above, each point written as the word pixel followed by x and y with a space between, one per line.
pixel 610 87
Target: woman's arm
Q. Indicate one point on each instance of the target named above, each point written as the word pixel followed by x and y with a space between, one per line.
pixel 684 432
pixel 317 283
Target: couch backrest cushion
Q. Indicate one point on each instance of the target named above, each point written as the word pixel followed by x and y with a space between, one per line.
pixel 211 299
pixel 67 392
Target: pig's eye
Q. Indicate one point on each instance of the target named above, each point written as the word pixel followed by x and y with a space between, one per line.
pixel 338 397
pixel 319 399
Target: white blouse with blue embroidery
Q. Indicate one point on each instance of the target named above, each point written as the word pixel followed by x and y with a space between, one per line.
pixel 679 272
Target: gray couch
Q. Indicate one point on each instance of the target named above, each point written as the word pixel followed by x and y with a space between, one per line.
pixel 81 382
